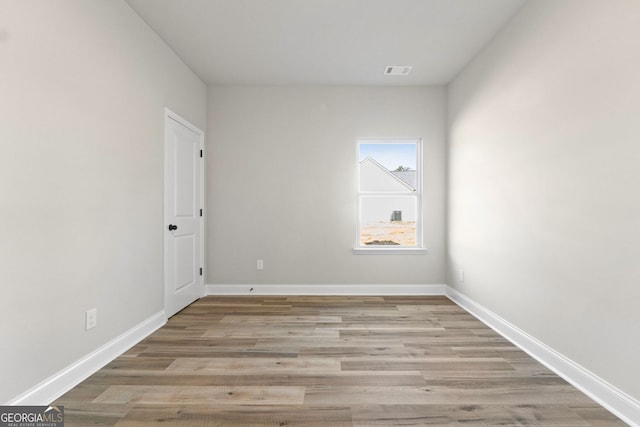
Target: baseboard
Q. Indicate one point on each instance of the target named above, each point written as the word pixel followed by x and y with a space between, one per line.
pixel 614 400
pixel 269 289
pixel 58 384
pixel 622 405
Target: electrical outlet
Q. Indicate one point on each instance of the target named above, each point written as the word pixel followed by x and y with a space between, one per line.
pixel 260 264
pixel 461 275
pixel 91 318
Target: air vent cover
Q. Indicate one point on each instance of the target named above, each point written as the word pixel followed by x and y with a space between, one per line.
pixel 397 70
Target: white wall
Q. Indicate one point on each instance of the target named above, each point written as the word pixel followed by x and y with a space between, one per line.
pixel 83 84
pixel 282 182
pixel 544 211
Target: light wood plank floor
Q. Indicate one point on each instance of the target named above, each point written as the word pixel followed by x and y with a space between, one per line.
pixel 327 361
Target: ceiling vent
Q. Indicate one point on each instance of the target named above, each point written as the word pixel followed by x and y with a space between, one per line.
pixel 397 70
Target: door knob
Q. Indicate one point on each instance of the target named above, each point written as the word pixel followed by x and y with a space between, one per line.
pixel 172 227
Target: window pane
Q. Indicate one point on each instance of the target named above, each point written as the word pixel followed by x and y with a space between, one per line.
pixel 388 220
pixel 389 168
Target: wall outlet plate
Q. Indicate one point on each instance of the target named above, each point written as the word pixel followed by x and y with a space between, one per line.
pixel 91 318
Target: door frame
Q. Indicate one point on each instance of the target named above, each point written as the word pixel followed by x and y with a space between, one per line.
pixel 171 115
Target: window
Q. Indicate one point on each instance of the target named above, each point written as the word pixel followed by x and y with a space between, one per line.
pixel 389 196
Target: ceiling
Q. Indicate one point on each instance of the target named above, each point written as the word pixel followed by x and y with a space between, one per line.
pixel 325 42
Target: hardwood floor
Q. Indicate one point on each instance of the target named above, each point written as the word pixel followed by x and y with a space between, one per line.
pixel 327 361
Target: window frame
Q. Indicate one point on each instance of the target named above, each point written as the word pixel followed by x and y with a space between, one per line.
pixel 418 249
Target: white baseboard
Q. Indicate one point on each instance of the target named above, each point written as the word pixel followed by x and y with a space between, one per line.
pixel 58 384
pixel 372 290
pixel 622 405
pixel 616 401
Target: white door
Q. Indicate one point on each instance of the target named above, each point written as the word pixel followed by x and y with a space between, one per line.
pixel 183 226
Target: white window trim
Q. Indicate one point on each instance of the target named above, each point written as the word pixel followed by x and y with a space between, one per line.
pixel 419 249
pixel 390 251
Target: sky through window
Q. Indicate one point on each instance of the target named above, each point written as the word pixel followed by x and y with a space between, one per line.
pixel 390 155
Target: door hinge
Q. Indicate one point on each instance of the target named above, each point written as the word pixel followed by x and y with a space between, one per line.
pixel 200 212
pixel 201 271
pixel 200 153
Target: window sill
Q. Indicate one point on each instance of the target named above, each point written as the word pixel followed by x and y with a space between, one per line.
pixel 390 251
